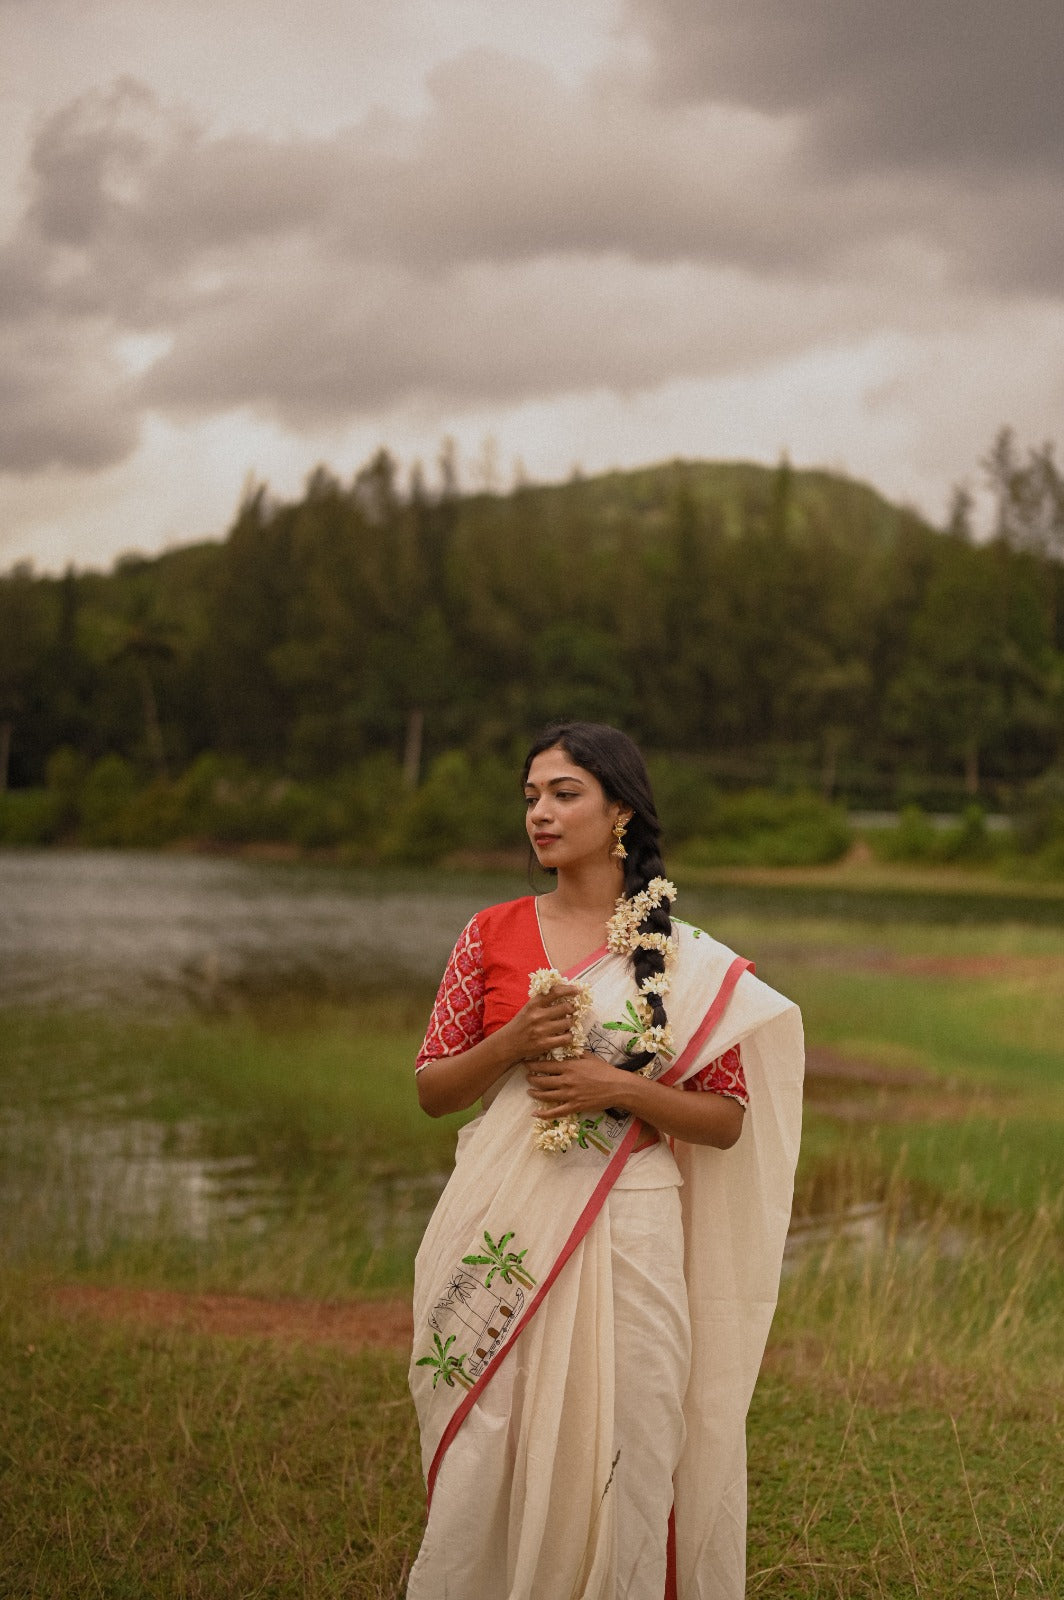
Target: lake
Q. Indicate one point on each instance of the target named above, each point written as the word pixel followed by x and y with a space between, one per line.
pixel 113 1132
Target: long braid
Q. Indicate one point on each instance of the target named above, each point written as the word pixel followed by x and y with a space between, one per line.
pixel 642 864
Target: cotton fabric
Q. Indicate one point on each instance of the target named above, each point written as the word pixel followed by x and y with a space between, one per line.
pixel 618 1386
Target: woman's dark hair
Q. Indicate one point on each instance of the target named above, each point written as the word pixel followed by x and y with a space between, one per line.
pixel 616 761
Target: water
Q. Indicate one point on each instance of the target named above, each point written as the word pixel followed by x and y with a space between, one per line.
pixel 89 1159
pixel 92 1154
pixel 108 928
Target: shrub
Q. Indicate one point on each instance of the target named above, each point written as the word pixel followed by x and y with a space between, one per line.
pixel 30 816
pixel 969 840
pixel 912 839
pixel 764 829
pixel 108 792
pixel 687 800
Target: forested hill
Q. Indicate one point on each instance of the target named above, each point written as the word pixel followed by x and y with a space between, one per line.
pixel 784 625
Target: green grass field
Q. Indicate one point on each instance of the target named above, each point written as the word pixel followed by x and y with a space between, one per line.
pixel 906 1438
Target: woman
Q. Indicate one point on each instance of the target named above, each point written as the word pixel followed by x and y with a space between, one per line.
pixel 593 1292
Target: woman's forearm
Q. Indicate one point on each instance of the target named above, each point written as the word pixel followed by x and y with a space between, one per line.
pixel 698 1117
pixel 454 1083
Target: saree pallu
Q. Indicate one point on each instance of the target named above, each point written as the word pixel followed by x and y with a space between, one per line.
pixel 519 1350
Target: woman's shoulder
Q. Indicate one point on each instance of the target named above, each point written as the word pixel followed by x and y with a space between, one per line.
pixel 498 919
pixel 696 945
pixel 704 962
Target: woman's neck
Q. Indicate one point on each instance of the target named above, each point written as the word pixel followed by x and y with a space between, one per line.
pixel 588 890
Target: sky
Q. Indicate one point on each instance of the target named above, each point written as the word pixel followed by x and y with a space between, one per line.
pixel 240 240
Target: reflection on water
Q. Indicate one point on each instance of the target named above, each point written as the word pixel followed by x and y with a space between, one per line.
pixel 84 1166
pixel 89 1182
pixel 99 928
pixel 84 1183
pixel 870 1227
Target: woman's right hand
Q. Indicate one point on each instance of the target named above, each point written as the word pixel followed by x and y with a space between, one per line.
pixel 543 1024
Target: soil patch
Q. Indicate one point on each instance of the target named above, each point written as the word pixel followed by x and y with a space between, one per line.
pixel 857 1090
pixel 1019 969
pixel 346 1324
pixel 823 1065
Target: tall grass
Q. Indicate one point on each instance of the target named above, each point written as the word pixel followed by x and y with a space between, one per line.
pixel 904 1440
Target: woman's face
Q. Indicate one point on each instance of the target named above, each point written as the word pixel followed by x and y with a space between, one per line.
pixel 568 816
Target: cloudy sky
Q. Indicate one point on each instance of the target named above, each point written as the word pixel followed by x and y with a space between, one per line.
pixel 242 238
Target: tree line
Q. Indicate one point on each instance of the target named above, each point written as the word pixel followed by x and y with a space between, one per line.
pixel 776 627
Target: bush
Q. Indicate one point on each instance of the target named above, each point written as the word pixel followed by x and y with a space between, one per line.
pixel 1040 823
pixel 912 839
pixel 916 839
pixel 687 800
pixel 969 840
pixel 764 829
pixel 108 792
pixel 30 816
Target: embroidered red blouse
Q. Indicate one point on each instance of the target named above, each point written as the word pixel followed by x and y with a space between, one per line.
pixel 486 983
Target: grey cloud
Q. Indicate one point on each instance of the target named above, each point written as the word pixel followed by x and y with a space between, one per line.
pixel 326 341
pixel 518 239
pixel 913 83
pixel 63 402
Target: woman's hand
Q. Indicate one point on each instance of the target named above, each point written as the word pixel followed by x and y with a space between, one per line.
pixel 572 1088
pixel 587 1083
pixel 543 1024
pixel 453 1083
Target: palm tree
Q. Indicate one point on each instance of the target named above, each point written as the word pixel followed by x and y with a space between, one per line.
pixel 459 1292
pixel 589 1134
pixel 506 1263
pixel 448 1367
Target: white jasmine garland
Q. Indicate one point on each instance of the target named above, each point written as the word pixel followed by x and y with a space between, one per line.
pixel 657 983
pixel 542 981
pixel 559 1134
pixel 623 937
pixel 622 930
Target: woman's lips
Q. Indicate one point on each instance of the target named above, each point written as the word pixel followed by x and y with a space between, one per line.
pixel 545 838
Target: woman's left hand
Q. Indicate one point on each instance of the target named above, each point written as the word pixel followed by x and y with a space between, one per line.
pixel 572 1087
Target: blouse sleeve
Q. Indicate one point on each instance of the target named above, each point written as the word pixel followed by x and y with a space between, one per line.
pixel 457 1021
pixel 723 1076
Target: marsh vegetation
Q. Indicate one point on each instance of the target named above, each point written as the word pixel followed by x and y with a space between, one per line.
pixel 243 1125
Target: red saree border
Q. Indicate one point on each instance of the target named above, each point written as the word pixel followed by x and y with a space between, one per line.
pixel 586 1218
pixel 671 1590
pixel 592 1207
pixel 709 1021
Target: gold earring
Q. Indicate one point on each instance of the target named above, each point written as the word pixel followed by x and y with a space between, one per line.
pixel 617 850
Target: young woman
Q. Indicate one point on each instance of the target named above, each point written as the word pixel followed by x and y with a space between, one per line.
pixel 593 1293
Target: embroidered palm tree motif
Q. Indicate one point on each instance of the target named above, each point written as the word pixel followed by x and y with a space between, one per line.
pixel 464 1301
pixel 486 1315
pixel 631 1023
pixel 455 1302
pixel 507 1263
pixel 448 1367
pixel 589 1134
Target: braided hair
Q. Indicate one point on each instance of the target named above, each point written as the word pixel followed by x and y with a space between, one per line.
pixel 615 760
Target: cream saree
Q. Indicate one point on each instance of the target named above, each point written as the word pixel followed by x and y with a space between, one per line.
pixel 518 1359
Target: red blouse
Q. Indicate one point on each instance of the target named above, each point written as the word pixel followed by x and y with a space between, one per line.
pixel 486 983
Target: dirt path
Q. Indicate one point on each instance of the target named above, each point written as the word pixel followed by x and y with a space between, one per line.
pixel 346 1324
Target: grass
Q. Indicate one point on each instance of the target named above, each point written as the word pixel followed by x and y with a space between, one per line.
pixel 903 1441
pixel 318 1102
pixel 906 1437
pixel 139 1464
